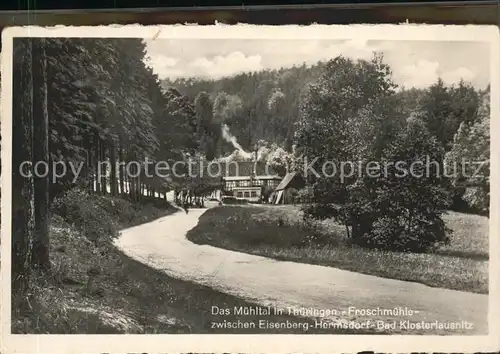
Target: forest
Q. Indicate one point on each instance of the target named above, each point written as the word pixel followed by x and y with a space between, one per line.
pixel 96 100
pixel 87 101
pixel 348 110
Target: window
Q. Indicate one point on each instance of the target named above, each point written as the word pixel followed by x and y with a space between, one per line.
pixel 242 183
pixel 247 194
pixel 254 194
pixel 240 195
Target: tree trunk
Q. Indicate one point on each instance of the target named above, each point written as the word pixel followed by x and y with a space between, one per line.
pixel 113 179
pixel 22 203
pixel 41 258
pixel 104 169
pixel 97 147
pixel 131 182
pixel 120 157
pixel 138 185
pixel 86 163
pixel 90 156
pixel 126 183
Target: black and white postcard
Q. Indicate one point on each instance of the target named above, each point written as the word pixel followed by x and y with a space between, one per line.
pixel 250 189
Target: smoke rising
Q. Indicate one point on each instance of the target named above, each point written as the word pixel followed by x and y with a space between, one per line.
pixel 230 138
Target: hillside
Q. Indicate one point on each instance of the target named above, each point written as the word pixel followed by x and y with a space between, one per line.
pixel 256 106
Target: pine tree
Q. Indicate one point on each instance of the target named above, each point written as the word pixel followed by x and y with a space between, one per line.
pixel 22 150
pixel 40 154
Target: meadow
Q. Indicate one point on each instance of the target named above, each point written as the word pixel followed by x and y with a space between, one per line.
pixel 279 232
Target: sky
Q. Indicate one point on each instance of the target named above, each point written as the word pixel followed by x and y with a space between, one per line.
pixel 414 63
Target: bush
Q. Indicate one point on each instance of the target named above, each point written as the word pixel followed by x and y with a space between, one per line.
pixel 394 211
pixel 395 234
pixel 87 213
pixel 478 199
pixel 404 211
pixel 120 209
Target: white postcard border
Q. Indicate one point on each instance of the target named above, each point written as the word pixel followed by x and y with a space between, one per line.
pixel 172 343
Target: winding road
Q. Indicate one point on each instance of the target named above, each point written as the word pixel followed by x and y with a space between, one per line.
pixel 162 244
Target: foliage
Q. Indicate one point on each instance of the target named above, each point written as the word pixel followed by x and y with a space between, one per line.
pixel 445 108
pixel 275 105
pixel 360 122
pixel 208 131
pixel 106 105
pixel 267 103
pixel 272 101
pixel 89 215
pixel 226 107
pixel 469 158
pixel 409 204
pixel 331 112
pixel 280 160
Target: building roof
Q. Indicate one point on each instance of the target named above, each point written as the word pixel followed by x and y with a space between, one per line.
pixel 246 168
pixel 286 180
pixel 268 177
pixel 247 178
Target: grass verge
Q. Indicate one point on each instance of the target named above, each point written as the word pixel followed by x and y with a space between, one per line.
pixel 279 232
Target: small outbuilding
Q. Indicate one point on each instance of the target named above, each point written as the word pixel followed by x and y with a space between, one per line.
pixel 286 192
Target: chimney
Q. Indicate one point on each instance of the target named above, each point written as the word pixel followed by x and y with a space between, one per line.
pixel 254 171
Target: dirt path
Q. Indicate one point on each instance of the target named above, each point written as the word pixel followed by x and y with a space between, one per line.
pixel 162 244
